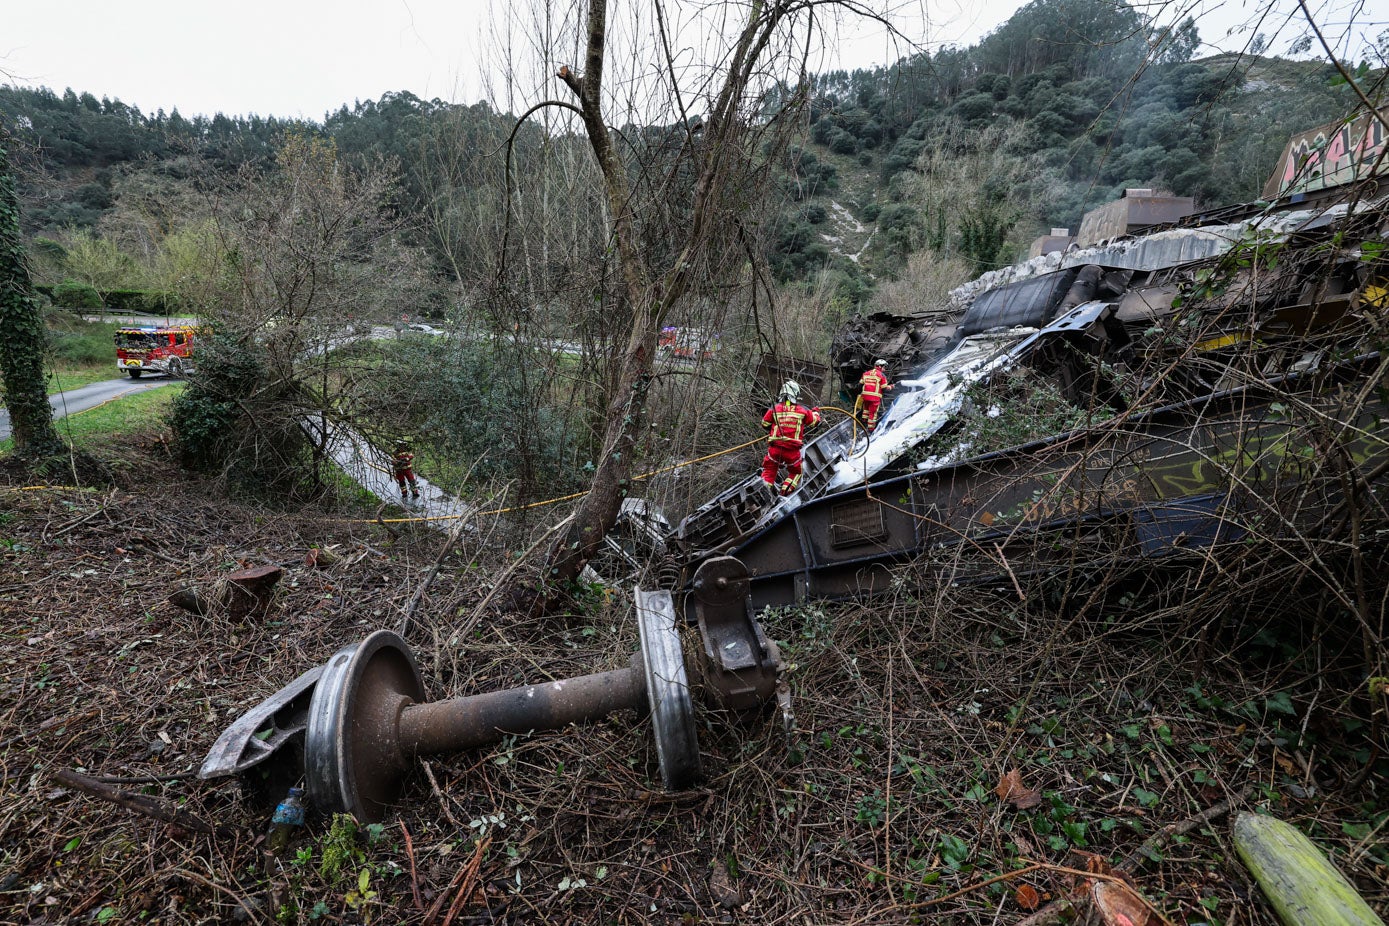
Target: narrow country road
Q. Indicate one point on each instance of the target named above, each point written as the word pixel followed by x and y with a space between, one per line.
pixel 85 397
pixel 370 468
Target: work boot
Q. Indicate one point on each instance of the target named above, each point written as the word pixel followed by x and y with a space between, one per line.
pixel 415 495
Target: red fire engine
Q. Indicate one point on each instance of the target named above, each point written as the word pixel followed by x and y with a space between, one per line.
pixel 688 343
pixel 155 350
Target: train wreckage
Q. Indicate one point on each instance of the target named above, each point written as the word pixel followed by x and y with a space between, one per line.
pixel 1212 380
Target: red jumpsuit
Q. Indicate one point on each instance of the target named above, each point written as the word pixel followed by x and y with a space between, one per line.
pixel 873 382
pixel 786 423
pixel 403 466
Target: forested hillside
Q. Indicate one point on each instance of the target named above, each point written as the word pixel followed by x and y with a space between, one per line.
pixel 521 489
pixel 966 153
pixel 973 152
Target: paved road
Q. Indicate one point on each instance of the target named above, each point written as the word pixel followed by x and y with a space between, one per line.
pixel 77 400
pixel 370 468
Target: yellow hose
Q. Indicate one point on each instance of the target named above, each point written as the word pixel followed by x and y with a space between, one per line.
pixel 562 498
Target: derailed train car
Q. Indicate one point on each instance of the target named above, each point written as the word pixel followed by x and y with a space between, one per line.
pixel 1205 381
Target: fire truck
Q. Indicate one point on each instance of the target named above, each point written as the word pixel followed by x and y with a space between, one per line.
pixel 164 349
pixel 688 343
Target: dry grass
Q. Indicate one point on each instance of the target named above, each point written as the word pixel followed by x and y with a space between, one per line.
pixel 910 712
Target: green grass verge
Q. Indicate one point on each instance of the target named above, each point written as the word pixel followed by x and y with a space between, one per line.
pixel 113 420
pixel 65 378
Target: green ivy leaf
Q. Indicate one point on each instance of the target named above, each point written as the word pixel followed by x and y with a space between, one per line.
pixel 1280 703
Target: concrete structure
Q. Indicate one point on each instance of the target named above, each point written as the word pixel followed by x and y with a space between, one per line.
pixel 1136 210
pixel 1059 240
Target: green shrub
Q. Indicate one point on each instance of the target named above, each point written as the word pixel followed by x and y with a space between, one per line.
pixel 82 344
pixel 70 294
pixel 479 416
pixel 207 416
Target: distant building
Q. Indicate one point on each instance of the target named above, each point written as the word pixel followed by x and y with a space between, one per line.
pixel 1059 240
pixel 1136 210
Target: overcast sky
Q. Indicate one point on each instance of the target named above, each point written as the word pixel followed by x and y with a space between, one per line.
pixel 305 57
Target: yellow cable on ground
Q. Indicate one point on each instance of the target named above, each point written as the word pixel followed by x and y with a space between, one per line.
pixel 552 501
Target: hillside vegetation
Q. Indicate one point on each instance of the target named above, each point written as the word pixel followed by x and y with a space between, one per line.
pixel 966 153
pixel 971 153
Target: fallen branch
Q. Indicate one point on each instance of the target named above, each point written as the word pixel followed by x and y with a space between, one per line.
pixel 414 876
pixel 1006 876
pixel 251 912
pixel 395 534
pixel 1156 841
pixel 140 803
pixel 428 579
pixel 1301 884
pixel 502 579
pixel 463 883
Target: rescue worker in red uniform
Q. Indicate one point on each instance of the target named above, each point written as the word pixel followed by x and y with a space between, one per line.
pixel 874 383
pixel 786 423
pixel 402 464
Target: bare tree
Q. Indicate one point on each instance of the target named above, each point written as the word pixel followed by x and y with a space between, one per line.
pixel 682 201
pixel 309 253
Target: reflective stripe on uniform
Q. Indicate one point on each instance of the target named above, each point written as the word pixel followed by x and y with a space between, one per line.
pixel 873 383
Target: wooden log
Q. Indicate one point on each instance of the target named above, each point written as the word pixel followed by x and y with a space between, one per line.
pixel 140 803
pixel 190 600
pixel 1304 888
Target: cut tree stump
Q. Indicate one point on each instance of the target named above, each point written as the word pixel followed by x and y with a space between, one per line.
pixel 1304 888
pixel 246 593
pixel 249 592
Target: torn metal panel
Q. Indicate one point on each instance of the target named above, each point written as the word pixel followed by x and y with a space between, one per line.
pixel 927 403
pixel 276 722
pixel 1026 304
pixel 1170 247
pixel 843 455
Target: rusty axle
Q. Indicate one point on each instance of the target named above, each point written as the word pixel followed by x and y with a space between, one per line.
pixel 479 720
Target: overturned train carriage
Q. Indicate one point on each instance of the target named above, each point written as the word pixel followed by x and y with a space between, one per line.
pixel 1178 478
pixel 1225 382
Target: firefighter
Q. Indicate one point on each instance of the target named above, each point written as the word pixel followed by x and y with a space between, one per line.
pixel 786 423
pixel 402 464
pixel 874 381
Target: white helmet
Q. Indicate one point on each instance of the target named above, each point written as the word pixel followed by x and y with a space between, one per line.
pixel 790 390
pixel 879 363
